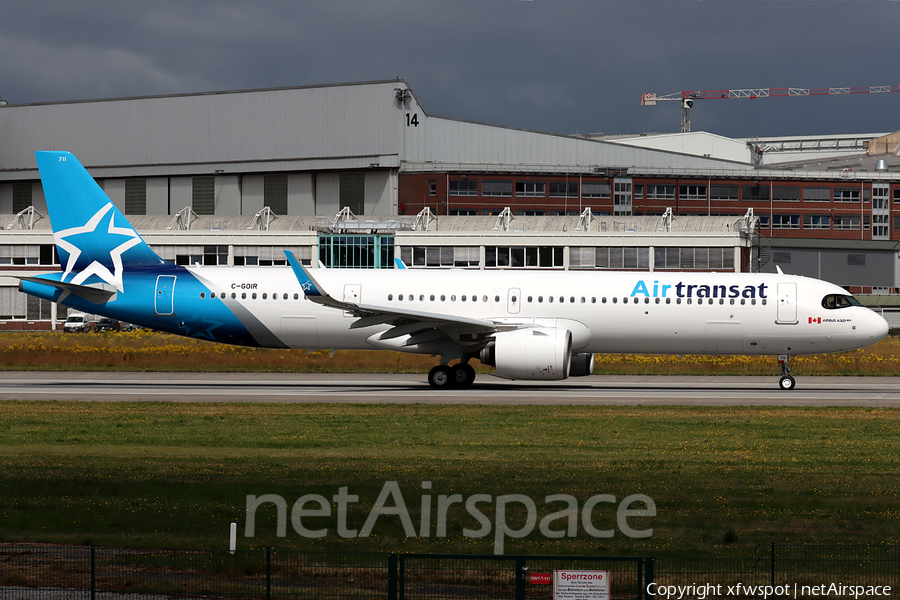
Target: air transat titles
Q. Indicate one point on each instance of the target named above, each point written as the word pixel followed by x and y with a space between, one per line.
pixel 684 290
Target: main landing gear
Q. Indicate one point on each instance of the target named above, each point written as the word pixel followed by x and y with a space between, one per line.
pixel 443 377
pixel 786 382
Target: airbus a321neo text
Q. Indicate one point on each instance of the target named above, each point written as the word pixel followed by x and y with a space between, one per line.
pixel 529 325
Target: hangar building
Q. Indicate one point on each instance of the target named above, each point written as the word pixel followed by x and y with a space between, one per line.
pixel 355 174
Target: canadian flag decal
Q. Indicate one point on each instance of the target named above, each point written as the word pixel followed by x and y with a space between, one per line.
pixel 815 320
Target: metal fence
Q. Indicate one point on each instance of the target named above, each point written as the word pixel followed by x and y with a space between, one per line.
pixel 39 572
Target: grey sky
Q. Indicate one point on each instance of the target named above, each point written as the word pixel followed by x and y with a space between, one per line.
pixel 561 66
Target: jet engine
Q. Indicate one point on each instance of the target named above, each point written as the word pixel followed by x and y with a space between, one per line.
pixel 582 364
pixel 536 353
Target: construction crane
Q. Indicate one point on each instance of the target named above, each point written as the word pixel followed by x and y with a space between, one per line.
pixel 687 98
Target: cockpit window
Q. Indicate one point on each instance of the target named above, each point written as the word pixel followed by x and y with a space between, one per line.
pixel 833 301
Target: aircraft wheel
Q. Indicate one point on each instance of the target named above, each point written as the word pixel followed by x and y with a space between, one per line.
pixel 440 377
pixel 787 382
pixel 463 375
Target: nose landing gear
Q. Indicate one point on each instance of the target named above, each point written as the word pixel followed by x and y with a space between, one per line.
pixel 786 382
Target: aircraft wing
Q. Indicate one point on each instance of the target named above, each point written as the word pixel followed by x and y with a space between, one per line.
pixel 403 321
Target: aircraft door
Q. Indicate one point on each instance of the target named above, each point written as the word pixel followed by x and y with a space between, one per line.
pixel 787 303
pixel 514 300
pixel 164 300
pixel 353 295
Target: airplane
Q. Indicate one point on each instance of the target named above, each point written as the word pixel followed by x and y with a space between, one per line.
pixel 528 325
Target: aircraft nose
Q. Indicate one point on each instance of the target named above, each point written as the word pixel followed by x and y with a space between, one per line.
pixel 877 327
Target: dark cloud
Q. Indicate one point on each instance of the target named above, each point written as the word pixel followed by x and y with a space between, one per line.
pixel 562 66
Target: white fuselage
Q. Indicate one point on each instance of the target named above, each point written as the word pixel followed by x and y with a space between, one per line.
pixel 608 312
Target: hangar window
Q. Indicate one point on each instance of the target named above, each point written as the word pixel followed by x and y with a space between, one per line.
pixel 816 194
pixel 755 193
pixel 352 191
pixel 357 251
pixel 786 193
pixel 615 257
pixel 856 260
pixel 527 257
pixel 496 188
pixel 896 222
pixel 723 192
pixel 563 189
pixel 661 191
pixel 785 221
pixel 203 195
pixel 846 194
pixel 432 187
pixel 816 222
pixel 441 256
pixel 700 259
pixel 463 187
pixel 596 190
pixel 136 196
pixel 21 191
pixel 531 189
pixel 692 192
pixel 846 222
pixel 275 192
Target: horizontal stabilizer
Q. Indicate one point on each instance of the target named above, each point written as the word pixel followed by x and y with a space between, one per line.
pixel 98 293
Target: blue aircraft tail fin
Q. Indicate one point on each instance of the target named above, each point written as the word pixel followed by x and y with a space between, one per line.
pixel 94 240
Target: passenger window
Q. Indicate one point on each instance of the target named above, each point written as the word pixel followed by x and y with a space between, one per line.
pixel 561 299
pixel 390 297
pixel 296 296
pixel 540 299
pixel 233 296
pixel 647 300
pixel 443 298
pixel 497 299
pixel 529 299
pixel 400 297
pixel 753 301
pixel 474 298
pixel 689 300
pixel 678 301
pixel 243 295
pixel 572 299
pixel 264 296
pixel 657 300
pixel 763 301
pixel 463 298
pixel 593 300
pixel 549 298
pixel 615 300
pixel 421 297
pixel 202 295
pixel 743 301
pixel 668 301
pixel 453 298
pixel 432 298
pixel 254 296
pixel 484 299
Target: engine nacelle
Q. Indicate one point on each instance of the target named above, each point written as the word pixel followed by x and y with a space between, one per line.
pixel 536 353
pixel 582 364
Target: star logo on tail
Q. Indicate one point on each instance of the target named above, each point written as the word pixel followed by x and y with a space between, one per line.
pixel 101 242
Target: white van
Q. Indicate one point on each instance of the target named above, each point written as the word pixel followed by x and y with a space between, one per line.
pixel 77 322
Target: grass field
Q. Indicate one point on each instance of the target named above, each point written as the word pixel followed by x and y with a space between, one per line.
pixel 175 475
pixel 151 351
